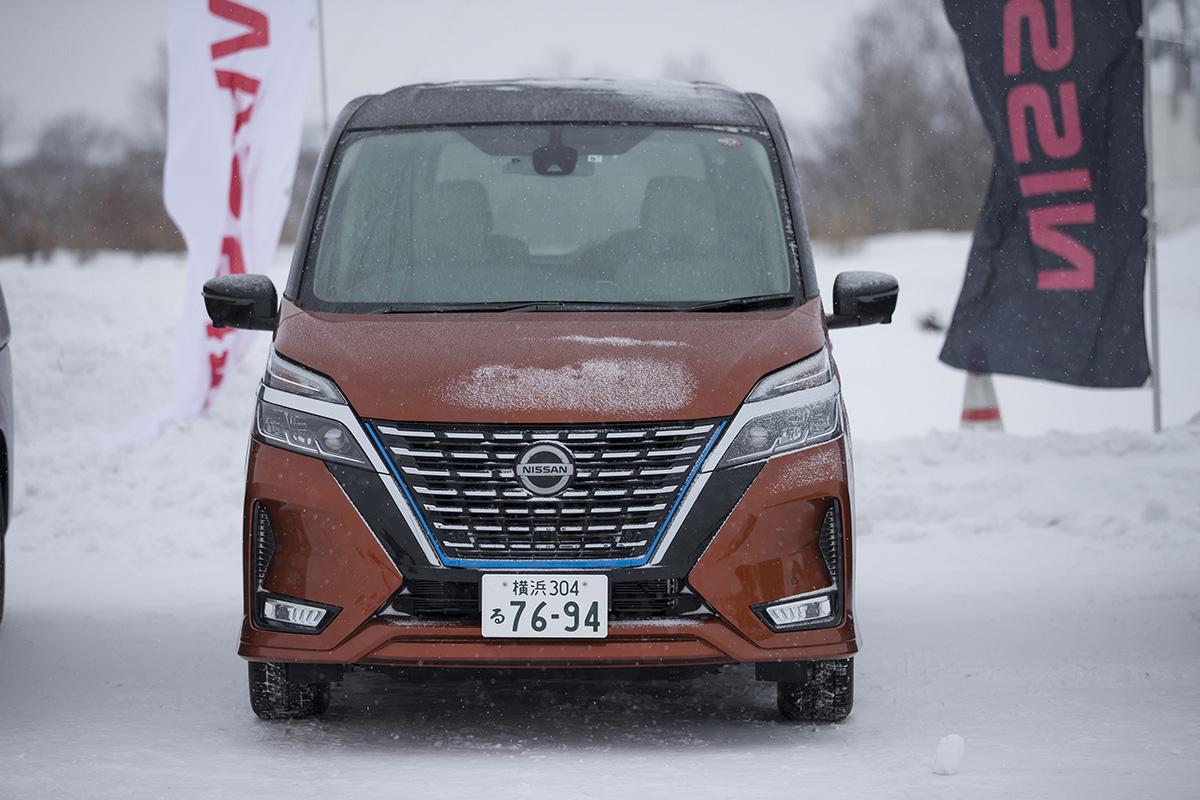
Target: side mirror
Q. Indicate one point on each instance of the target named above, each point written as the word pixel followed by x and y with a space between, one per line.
pixel 242 301
pixel 863 298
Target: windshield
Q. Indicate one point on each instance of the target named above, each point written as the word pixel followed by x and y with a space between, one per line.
pixel 621 215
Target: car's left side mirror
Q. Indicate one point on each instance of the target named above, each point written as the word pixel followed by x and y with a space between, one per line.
pixel 241 301
pixel 863 298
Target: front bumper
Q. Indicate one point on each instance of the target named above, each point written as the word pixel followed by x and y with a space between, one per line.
pixel 764 550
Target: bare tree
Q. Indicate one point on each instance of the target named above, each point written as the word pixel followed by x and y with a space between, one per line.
pixel 151 100
pixel 1175 31
pixel 905 147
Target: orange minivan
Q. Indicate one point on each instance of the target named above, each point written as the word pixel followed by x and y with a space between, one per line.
pixel 551 390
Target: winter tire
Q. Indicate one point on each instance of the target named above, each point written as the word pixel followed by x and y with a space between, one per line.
pixel 273 696
pixel 826 694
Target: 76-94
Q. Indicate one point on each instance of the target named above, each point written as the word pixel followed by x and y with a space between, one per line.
pixel 538 621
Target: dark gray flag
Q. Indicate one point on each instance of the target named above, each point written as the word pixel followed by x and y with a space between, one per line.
pixel 1053 288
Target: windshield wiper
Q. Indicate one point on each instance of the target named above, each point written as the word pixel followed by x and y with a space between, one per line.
pixel 522 305
pixel 443 308
pixel 534 305
pixel 744 303
pixel 578 305
pixel 734 304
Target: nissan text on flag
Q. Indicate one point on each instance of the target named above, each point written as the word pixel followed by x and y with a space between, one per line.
pixel 551 389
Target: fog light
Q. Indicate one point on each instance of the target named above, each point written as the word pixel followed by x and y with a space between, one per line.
pixel 803 611
pixel 292 613
pixel 800 611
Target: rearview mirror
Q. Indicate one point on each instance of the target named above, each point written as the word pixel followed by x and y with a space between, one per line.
pixel 241 301
pixel 863 298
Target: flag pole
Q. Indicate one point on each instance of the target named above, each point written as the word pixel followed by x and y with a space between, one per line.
pixel 1151 220
pixel 324 82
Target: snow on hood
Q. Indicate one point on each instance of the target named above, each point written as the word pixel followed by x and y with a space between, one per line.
pixel 601 386
pixel 618 341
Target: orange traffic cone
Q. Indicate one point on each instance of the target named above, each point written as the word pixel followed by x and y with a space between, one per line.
pixel 981 411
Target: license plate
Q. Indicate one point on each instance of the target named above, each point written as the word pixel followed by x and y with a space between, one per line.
pixel 544 606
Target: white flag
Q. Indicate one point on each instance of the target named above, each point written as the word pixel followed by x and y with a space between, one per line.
pixel 238 81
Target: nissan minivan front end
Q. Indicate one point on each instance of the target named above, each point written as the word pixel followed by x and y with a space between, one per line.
pixel 551 388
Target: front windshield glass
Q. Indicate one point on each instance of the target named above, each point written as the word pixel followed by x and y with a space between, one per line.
pixel 583 214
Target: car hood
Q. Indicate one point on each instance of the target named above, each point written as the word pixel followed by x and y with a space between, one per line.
pixel 548 367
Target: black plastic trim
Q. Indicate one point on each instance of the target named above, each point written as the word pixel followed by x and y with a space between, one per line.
pixel 628 600
pixel 374 504
pixel 716 502
pixel 788 671
pixel 542 674
pixel 316 673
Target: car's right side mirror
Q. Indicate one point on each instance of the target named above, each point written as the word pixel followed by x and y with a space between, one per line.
pixel 863 298
pixel 241 301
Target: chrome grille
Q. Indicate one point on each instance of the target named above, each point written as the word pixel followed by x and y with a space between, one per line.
pixel 627 480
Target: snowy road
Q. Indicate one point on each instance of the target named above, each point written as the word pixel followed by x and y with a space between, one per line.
pixel 1039 596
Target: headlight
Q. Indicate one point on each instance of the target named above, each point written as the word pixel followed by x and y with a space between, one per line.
pixel 308 434
pixel 796 407
pixel 804 374
pixel 295 379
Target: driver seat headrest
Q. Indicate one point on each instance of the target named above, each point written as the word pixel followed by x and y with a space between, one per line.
pixel 453 217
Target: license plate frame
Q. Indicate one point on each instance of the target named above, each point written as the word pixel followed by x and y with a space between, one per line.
pixel 537 606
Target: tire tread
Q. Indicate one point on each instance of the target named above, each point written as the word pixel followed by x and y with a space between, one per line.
pixel 273 696
pixel 825 695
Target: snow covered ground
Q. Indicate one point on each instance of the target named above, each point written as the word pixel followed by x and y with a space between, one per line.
pixel 1037 594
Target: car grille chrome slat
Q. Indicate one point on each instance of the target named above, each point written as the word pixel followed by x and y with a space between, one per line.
pixel 628 479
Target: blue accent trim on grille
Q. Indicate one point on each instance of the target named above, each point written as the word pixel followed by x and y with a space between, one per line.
pixel 548 565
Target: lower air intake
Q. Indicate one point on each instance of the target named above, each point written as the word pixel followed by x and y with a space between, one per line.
pixel 262 545
pixel 628 600
pixel 830 540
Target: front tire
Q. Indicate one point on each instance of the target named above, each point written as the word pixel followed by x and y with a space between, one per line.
pixel 274 696
pixel 825 694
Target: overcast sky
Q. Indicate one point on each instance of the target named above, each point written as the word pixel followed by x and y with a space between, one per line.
pixel 67 56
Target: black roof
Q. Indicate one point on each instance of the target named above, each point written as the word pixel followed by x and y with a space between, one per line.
pixel 588 100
